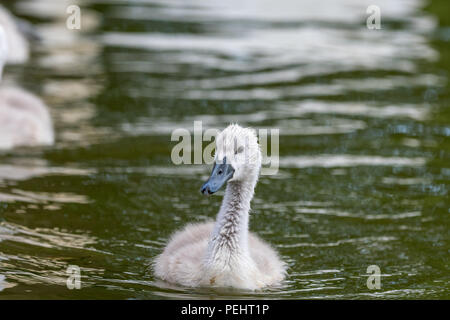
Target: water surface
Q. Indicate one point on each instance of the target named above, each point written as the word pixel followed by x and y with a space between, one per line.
pixel 364 144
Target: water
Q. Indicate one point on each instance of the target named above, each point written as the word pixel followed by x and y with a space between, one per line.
pixel 364 146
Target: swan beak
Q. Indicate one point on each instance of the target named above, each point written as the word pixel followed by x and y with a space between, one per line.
pixel 221 173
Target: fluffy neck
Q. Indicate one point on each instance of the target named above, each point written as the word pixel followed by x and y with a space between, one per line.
pixel 229 239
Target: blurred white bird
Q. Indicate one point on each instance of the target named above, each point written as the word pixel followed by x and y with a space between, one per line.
pixel 3 50
pixel 24 119
pixel 18 47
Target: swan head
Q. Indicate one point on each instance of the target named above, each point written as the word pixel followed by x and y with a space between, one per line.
pixel 237 158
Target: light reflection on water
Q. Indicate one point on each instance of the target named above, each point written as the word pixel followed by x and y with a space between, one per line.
pixel 363 175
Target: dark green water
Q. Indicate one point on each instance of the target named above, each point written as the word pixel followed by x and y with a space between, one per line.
pixel 364 144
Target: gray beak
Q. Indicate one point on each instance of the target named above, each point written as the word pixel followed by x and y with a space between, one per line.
pixel 221 173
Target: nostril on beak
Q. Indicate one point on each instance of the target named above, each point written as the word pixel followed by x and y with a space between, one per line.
pixel 205 190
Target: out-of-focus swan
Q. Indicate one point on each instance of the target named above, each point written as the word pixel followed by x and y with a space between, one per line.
pixel 24 119
pixel 17 43
pixel 224 253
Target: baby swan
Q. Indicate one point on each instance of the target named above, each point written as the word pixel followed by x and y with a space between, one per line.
pixel 224 253
pixel 24 119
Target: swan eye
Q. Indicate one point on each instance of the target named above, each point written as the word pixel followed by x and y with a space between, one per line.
pixel 220 171
pixel 239 150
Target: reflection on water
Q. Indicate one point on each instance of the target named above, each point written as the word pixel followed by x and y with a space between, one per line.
pixel 328 161
pixel 364 150
pixel 30 170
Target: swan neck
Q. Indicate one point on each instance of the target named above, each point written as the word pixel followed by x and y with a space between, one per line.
pixel 230 234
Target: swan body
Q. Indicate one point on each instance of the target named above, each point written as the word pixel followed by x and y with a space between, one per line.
pixel 17 43
pixel 224 253
pixel 24 119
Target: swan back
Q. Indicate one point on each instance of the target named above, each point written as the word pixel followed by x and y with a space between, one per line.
pixel 3 50
pixel 18 48
pixel 24 119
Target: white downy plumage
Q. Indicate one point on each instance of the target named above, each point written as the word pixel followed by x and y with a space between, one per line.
pixel 18 45
pixel 224 253
pixel 24 119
